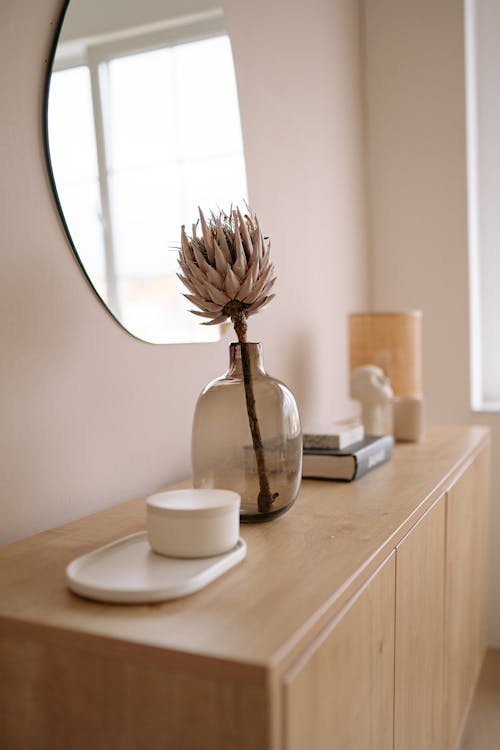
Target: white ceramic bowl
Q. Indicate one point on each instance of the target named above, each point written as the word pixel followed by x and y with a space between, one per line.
pixel 193 522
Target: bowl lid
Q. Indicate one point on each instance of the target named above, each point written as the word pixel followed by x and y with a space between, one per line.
pixel 193 502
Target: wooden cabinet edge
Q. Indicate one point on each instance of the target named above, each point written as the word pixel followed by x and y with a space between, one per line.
pixel 483 445
pixel 323 634
pixel 436 502
pixel 419 633
pixel 479 477
pixel 334 607
pixel 134 652
pixel 370 646
pixel 111 690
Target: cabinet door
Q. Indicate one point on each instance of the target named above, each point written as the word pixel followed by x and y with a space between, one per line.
pixel 419 699
pixel 466 575
pixel 340 694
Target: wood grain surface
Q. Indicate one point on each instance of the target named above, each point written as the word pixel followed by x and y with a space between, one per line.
pixel 299 572
pixel 340 695
pixel 466 602
pixel 257 659
pixel 420 586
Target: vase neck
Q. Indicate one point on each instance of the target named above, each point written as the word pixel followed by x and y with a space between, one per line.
pixel 254 355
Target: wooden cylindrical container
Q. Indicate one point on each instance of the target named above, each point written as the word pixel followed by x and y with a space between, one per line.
pixel 392 341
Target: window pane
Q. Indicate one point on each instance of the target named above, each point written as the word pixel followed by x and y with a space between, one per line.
pixel 207 99
pixel 175 144
pixel 483 121
pixel 74 164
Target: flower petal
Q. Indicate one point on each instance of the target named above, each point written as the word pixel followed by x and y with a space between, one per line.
pixel 195 272
pixel 194 286
pixel 207 236
pixel 216 321
pixel 204 304
pixel 247 285
pixel 216 295
pixel 267 287
pixel 214 278
pixel 245 236
pixel 185 246
pixel 240 264
pixel 202 314
pixel 187 283
pixel 220 259
pixel 221 239
pixel 231 283
pixel 266 254
pixel 259 286
pixel 259 305
pixel 198 256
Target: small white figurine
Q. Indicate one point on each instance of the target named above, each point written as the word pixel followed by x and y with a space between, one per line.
pixel 372 388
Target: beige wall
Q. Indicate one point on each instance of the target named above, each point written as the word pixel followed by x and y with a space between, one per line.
pixel 90 416
pixel 416 139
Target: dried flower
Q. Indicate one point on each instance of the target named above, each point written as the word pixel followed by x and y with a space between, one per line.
pixel 229 274
pixel 228 270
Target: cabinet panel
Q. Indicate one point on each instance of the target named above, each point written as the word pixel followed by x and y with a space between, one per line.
pixel 466 576
pixel 419 700
pixel 68 694
pixel 340 694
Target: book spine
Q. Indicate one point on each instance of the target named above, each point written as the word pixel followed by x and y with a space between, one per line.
pixel 373 455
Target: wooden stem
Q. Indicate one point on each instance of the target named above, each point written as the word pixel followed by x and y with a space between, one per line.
pixel 266 497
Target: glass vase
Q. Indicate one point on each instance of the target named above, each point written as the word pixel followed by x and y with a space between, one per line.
pixel 259 456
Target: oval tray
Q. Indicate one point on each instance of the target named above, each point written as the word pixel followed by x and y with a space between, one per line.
pixel 129 572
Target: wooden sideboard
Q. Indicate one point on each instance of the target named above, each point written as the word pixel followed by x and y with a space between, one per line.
pixel 356 622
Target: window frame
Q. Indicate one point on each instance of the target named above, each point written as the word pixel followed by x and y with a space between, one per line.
pixel 483 150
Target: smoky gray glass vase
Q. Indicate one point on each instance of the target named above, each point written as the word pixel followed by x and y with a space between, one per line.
pixel 263 465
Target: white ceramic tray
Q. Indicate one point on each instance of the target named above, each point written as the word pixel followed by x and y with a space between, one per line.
pixel 129 572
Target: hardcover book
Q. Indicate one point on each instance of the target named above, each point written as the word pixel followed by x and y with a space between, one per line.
pixel 340 434
pixel 350 463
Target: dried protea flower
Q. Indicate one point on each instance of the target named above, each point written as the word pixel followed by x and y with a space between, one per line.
pixel 229 274
pixel 227 270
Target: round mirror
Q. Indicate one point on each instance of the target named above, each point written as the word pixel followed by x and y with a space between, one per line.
pixel 142 127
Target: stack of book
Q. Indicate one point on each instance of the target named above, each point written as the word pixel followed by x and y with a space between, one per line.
pixel 344 452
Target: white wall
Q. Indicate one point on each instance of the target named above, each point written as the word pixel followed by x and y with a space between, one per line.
pixel 91 417
pixel 415 93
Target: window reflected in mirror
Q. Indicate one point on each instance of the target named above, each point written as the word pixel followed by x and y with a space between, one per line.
pixel 143 127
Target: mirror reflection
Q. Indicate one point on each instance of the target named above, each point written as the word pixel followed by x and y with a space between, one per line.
pixel 143 126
